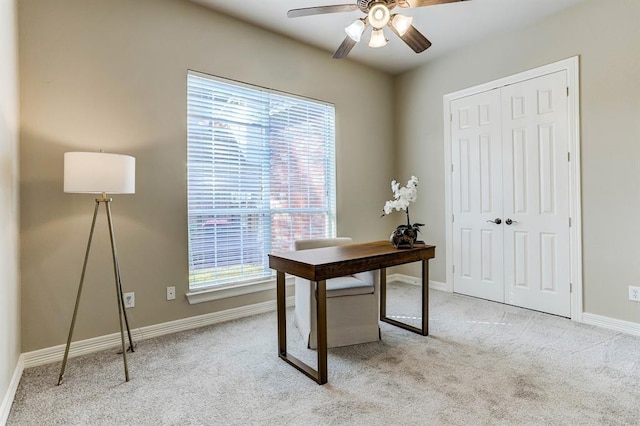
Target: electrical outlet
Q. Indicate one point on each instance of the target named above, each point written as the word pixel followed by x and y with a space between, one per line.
pixel 171 293
pixel 634 293
pixel 130 300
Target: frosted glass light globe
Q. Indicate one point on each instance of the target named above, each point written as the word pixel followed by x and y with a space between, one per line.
pixel 379 15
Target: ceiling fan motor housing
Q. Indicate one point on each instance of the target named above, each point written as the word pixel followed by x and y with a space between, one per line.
pixel 364 5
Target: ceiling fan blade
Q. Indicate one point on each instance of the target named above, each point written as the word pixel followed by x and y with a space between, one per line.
pixel 307 11
pixel 344 48
pixel 414 39
pixel 422 3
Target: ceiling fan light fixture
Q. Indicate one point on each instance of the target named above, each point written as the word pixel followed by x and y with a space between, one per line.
pixel 401 23
pixel 355 30
pixel 377 39
pixel 379 15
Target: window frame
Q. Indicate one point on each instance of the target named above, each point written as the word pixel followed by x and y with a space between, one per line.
pixel 256 284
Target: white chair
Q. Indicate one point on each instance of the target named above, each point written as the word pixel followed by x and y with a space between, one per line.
pixel 352 303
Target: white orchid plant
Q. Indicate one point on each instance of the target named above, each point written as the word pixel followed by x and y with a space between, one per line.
pixel 402 197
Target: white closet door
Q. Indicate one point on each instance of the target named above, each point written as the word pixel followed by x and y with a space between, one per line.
pixel 509 149
pixel 536 194
pixel 477 195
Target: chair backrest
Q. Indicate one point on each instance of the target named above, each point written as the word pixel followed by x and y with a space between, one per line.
pixel 322 242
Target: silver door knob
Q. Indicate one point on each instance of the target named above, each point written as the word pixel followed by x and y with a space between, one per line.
pixel 497 221
pixel 509 221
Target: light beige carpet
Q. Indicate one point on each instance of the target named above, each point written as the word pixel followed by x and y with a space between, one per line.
pixel 483 364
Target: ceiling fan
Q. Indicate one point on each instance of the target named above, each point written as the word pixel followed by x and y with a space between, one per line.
pixel 378 15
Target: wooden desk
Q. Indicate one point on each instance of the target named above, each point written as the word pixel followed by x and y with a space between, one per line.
pixel 321 264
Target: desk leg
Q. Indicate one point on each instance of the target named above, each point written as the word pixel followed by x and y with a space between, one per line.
pixel 321 310
pixel 424 331
pixel 281 301
pixel 319 375
pixel 425 297
pixel 383 293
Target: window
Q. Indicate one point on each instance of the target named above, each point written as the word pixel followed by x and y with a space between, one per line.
pixel 261 174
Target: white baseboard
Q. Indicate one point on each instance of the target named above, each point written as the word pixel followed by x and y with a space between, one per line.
pixel 612 323
pixel 82 347
pixel 7 401
pixel 408 279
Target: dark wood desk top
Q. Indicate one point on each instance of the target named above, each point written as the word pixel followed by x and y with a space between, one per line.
pixel 331 262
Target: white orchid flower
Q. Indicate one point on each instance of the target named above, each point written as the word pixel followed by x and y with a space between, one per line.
pixel 402 196
pixel 388 207
pixel 394 187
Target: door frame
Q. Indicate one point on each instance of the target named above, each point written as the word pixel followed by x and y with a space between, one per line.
pixel 571 66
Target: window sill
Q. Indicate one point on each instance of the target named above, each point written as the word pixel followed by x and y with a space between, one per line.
pixel 211 294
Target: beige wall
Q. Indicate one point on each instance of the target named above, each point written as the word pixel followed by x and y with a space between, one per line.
pixel 606 36
pixel 111 75
pixel 9 272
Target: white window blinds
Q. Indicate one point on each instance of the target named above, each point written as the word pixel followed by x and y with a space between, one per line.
pixel 261 174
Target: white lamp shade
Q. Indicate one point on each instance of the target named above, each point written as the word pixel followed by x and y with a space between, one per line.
pixel 377 39
pixel 97 172
pixel 379 15
pixel 401 23
pixel 355 30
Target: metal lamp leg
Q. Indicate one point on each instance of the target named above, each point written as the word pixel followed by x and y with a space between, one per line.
pixel 75 309
pixel 116 266
pixel 119 295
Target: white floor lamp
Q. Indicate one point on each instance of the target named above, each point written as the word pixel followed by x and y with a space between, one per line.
pixel 100 173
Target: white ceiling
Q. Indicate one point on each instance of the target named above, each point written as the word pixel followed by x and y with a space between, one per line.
pixel 448 26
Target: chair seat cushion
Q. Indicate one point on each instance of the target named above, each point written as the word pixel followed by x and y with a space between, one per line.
pixel 347 286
